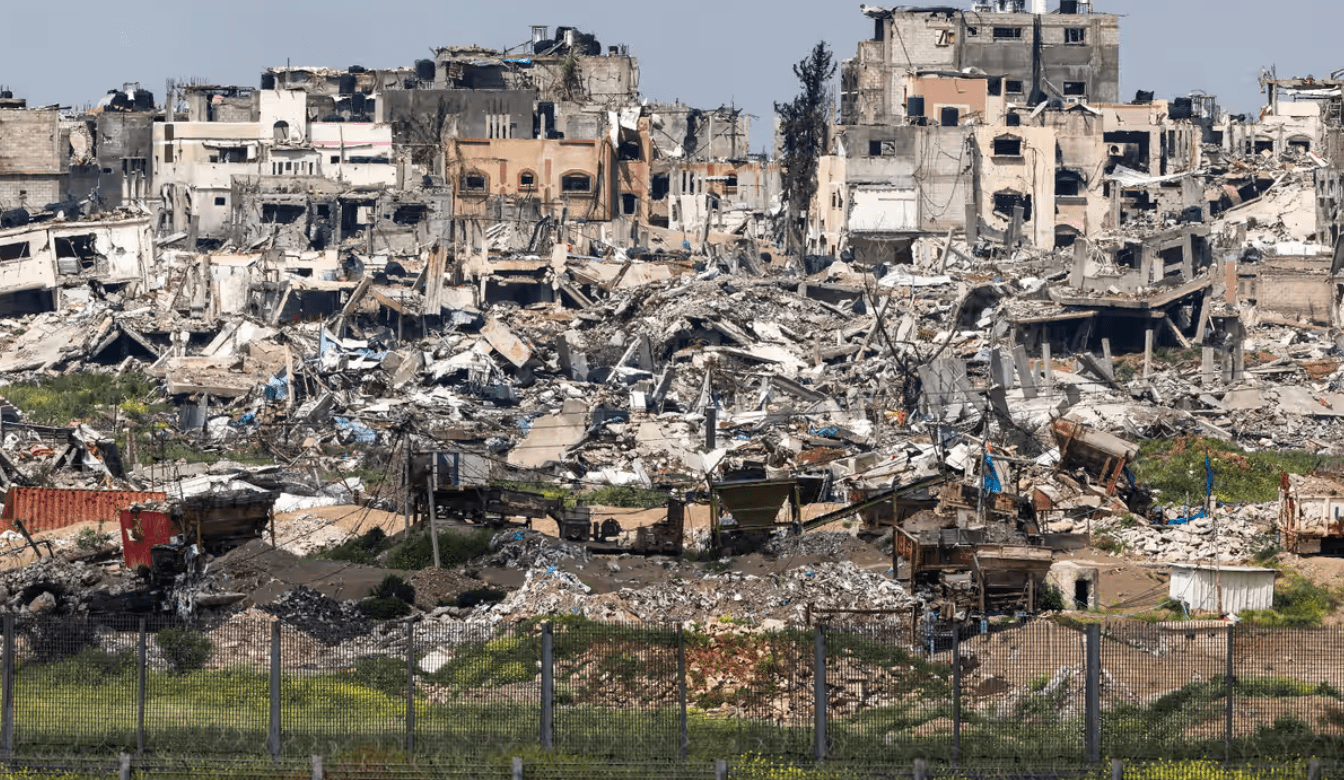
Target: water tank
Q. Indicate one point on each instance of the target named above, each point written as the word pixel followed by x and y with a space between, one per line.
pixel 950 116
pixel 268 80
pixel 144 100
pixel 346 84
pixel 1182 108
pixel 914 106
pixel 6 95
pixel 1068 6
pixel 358 69
pixel 13 218
pixel 424 70
pixel 1143 97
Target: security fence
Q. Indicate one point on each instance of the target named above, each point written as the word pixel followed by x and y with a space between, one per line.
pixel 1028 697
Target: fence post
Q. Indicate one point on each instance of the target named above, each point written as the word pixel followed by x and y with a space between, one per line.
pixel 140 695
pixel 720 769
pixel 956 693
pixel 547 685
pixel 517 769
pixel 1231 682
pixel 1117 769
pixel 681 692
pixel 273 740
pixel 921 771
pixel 7 704
pixel 819 695
pixel 317 767
pixel 124 773
pixel 1314 769
pixel 410 689
pixel 1093 694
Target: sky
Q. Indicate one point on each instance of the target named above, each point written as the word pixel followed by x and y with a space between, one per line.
pixel 700 52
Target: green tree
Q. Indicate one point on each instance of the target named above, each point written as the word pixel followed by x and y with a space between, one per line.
pixel 802 131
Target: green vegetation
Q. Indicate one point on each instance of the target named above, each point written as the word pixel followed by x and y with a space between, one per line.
pixel 625 496
pixel 455 549
pixel 184 650
pixel 392 598
pixel 1298 602
pixel 67 398
pixel 363 549
pixel 1175 467
pixel 89 540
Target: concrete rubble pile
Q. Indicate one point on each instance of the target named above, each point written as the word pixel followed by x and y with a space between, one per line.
pixel 945 361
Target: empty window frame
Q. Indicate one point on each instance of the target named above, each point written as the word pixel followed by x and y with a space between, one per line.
pixel 1007 146
pixel 1006 201
pixel 629 204
pixel 576 182
pixel 662 183
pixel 1007 33
pixel 1012 86
pixel 17 251
pixel 1075 35
pixel 281 213
pixel 220 201
pixel 410 214
pixel 1075 88
pixel 945 38
pixel 474 181
pixel 527 180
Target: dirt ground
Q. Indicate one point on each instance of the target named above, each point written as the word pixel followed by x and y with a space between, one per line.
pixel 1124 585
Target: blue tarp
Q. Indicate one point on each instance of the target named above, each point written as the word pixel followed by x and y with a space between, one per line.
pixel 277 388
pixel 1186 519
pixel 992 484
pixel 363 434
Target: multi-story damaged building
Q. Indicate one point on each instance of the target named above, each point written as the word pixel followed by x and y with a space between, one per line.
pixel 1027 57
pixel 1005 125
pixel 34 157
pixel 236 131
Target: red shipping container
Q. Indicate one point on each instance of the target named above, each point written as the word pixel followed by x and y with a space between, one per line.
pixel 46 509
pixel 140 531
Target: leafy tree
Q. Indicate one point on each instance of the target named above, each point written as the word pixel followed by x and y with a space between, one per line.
pixel 802 132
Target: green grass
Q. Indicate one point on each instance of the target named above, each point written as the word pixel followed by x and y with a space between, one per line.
pixel 75 397
pixel 1175 467
pixel 1298 603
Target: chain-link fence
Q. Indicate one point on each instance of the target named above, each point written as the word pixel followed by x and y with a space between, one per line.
pixel 1033 695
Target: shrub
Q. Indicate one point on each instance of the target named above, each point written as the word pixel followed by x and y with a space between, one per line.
pixel 455 549
pixel 54 639
pixel 184 650
pixel 1052 600
pixel 361 549
pixel 394 587
pixel 90 540
pixel 384 608
pixel 391 599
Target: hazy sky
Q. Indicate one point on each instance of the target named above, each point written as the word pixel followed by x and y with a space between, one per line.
pixel 701 52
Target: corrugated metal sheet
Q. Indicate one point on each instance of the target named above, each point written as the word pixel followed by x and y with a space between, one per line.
pixel 1243 587
pixel 46 509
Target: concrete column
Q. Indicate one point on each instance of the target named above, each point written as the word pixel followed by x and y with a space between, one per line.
pixel 1024 372
pixel 1148 351
pixel 1047 365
